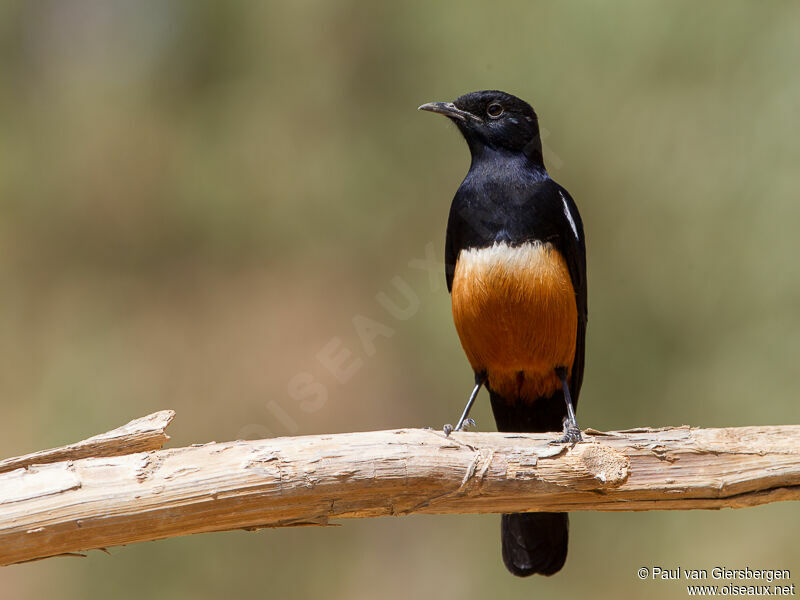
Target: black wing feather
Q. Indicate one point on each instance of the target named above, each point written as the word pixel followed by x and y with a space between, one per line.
pixel 574 252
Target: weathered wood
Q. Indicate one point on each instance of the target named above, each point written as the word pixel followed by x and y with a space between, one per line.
pixel 140 435
pixel 73 506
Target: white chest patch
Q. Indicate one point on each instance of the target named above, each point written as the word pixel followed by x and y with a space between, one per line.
pixel 504 257
pixel 568 214
pixel 509 269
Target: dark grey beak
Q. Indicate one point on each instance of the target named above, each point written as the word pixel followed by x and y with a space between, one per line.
pixel 448 109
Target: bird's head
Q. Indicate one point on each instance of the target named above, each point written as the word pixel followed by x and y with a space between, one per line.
pixel 495 120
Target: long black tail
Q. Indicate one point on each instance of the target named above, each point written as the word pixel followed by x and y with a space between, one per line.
pixel 532 542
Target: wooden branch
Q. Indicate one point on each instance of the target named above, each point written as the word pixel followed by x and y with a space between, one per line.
pixel 140 435
pixel 76 505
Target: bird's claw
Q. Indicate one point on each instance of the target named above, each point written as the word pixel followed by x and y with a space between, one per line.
pixel 467 424
pixel 572 435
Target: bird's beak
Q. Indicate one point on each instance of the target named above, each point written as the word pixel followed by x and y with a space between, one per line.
pixel 448 109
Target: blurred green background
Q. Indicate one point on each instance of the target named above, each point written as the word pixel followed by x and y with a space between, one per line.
pixel 196 197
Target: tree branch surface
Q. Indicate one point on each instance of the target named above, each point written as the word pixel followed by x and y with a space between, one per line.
pixel 118 488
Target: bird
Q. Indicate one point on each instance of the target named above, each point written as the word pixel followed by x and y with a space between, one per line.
pixel 515 266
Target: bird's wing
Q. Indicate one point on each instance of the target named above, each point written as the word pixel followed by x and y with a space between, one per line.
pixel 452 245
pixel 572 245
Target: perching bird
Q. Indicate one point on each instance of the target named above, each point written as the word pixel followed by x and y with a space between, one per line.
pixel 515 261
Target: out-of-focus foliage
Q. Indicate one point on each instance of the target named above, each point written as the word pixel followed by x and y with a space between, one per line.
pixel 197 197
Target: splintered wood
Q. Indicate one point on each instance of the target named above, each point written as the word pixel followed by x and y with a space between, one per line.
pixel 126 495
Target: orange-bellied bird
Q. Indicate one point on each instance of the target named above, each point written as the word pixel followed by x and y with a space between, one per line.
pixel 515 261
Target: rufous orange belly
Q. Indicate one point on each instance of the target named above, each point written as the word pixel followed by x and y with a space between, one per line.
pixel 515 312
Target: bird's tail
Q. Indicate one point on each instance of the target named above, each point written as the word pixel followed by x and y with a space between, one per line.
pixel 532 542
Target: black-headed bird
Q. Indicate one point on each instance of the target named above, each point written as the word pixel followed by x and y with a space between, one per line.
pixel 515 261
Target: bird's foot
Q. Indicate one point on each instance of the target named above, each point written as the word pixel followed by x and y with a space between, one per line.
pixel 467 425
pixel 572 435
pixel 464 426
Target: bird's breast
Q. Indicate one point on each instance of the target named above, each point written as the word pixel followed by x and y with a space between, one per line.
pixel 515 312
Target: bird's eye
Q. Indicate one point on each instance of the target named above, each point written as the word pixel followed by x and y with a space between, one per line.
pixel 494 110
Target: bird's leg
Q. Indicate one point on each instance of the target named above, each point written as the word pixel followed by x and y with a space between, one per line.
pixel 480 379
pixel 572 433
